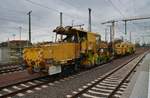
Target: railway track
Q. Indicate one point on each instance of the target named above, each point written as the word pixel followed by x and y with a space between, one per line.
pixel 110 85
pixel 20 88
pixel 10 69
pixel 15 89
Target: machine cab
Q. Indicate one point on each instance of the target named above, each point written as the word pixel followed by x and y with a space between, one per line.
pixel 87 40
pixel 66 35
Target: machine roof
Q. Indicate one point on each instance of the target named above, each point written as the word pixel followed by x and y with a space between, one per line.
pixel 70 30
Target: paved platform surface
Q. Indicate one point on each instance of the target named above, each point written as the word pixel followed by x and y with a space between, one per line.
pixel 139 86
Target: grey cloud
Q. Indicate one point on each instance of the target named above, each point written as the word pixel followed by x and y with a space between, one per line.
pixel 14 14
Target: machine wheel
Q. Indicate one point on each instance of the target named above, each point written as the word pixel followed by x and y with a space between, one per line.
pixel 76 68
pixel 38 69
pixel 30 70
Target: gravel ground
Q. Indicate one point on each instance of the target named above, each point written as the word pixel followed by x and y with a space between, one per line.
pixel 61 88
pixel 6 65
pixel 15 77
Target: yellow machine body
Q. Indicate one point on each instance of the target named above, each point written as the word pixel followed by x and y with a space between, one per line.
pixel 51 55
pixel 74 43
pixel 72 47
pixel 89 49
pixel 104 49
pixel 60 53
pixel 124 48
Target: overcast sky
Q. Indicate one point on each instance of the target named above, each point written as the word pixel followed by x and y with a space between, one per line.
pixel 45 17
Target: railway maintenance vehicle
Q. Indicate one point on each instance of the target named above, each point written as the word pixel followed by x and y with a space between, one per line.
pixel 75 48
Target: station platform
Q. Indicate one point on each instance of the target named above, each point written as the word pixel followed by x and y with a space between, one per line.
pixel 139 85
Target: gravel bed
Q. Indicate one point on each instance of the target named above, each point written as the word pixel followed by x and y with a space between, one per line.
pixel 61 88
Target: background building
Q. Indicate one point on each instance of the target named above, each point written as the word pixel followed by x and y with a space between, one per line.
pixel 11 51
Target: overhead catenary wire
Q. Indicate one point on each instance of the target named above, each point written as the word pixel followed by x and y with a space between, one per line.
pixel 14 27
pixel 58 11
pixel 72 5
pixel 69 3
pixel 125 20
pixel 94 14
pixel 120 2
pixel 15 21
pixel 38 4
pixel 138 25
pixel 118 10
pixel 12 20
pixel 52 9
pixel 13 11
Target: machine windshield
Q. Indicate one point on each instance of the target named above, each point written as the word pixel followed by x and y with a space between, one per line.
pixel 66 38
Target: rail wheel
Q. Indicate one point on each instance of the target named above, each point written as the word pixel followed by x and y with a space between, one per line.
pixel 77 67
pixel 30 70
